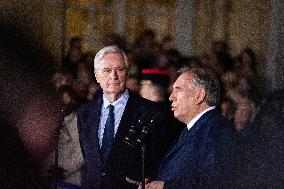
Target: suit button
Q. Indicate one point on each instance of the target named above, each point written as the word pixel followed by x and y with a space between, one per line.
pixel 102 174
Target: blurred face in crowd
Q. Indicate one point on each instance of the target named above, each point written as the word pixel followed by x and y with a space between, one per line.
pixel 247 59
pixel 133 84
pixel 225 108
pixel 147 91
pixel 242 115
pixel 59 79
pixel 66 99
pixel 92 89
pixel 185 99
pixel 112 75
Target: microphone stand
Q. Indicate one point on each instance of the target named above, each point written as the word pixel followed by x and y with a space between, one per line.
pixel 139 141
pixel 143 164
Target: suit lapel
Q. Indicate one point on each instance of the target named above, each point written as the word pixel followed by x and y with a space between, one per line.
pixel 186 135
pixel 127 117
pixel 94 120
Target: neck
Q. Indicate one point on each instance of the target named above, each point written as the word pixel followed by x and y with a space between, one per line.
pixel 112 97
pixel 198 111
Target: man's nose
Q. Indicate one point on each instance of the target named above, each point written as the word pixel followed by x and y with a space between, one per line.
pixel 171 97
pixel 113 74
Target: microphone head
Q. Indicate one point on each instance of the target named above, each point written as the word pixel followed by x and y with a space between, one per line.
pixel 139 132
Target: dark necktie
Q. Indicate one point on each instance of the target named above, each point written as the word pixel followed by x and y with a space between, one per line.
pixel 108 133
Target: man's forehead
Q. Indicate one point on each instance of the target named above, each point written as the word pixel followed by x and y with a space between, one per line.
pixel 184 78
pixel 186 75
pixel 112 59
pixel 182 81
pixel 112 55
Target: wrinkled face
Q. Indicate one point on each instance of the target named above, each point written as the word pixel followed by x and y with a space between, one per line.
pixel 112 74
pixel 184 98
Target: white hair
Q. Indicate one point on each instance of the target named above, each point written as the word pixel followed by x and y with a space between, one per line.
pixel 207 79
pixel 106 50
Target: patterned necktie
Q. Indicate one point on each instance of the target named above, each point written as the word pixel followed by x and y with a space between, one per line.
pixel 108 133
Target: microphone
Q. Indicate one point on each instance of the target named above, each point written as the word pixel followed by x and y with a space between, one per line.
pixel 146 130
pixel 139 133
pixel 133 134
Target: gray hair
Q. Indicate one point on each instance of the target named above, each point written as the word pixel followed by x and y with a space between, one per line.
pixel 106 50
pixel 204 78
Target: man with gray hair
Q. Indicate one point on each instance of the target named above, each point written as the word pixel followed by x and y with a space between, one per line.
pixel 105 122
pixel 194 160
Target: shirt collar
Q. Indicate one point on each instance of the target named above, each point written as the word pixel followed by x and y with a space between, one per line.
pixel 122 100
pixel 194 120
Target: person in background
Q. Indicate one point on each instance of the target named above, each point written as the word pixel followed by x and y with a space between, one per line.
pixel 70 159
pixel 71 60
pixel 152 91
pixel 94 91
pixel 60 79
pixel 228 108
pixel 105 122
pixel 132 83
pixel 257 160
pixel 221 56
pixel 114 39
pixel 249 79
pixel 244 116
pixel 194 160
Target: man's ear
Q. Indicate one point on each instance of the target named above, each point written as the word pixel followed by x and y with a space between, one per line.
pixel 201 96
pixel 97 77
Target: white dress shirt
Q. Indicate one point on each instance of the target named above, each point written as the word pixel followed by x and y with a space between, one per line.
pixel 119 106
pixel 194 120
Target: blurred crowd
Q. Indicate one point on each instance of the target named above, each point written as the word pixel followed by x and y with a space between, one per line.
pixel 153 69
pixel 30 116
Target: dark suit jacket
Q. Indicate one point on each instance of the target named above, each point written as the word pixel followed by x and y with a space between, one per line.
pixel 193 161
pixel 257 158
pixel 123 161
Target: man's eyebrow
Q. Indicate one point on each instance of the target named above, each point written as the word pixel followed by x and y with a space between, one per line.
pixel 176 87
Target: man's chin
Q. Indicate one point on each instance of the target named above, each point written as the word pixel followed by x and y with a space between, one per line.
pixel 176 115
pixel 116 90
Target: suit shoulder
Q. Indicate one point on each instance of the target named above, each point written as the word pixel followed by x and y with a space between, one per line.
pixel 143 101
pixel 221 129
pixel 88 106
